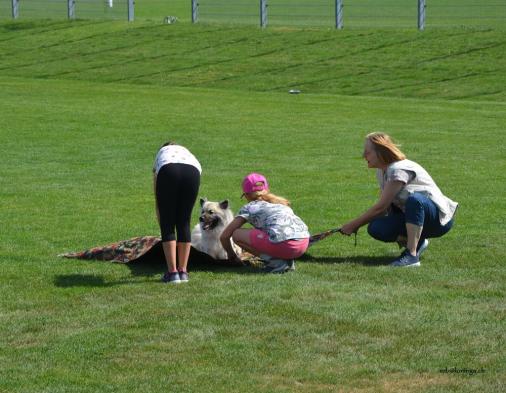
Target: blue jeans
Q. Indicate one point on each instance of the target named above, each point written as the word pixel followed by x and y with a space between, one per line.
pixel 419 210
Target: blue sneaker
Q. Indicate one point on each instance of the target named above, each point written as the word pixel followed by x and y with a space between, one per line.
pixel 183 277
pixel 171 278
pixel 276 266
pixel 422 247
pixel 264 257
pixel 406 260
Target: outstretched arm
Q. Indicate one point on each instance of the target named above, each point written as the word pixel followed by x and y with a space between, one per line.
pixel 379 208
pixel 226 235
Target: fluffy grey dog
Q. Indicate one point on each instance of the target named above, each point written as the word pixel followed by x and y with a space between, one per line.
pixel 214 217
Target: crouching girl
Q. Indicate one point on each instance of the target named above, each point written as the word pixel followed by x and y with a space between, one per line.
pixel 278 237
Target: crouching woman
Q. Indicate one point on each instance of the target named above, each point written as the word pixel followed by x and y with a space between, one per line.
pixel 411 208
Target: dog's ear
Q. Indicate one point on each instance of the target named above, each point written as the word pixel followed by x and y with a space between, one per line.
pixel 202 201
pixel 224 204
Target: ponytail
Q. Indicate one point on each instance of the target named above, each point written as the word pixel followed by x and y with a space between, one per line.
pixel 267 196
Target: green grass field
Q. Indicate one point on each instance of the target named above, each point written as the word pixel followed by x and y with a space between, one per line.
pixel 84 107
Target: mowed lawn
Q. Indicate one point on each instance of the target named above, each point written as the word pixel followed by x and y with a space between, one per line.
pixel 77 151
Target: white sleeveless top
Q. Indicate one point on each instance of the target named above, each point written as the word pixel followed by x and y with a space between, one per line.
pixel 175 154
pixel 416 179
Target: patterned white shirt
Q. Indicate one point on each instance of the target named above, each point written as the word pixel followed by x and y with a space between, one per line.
pixel 278 221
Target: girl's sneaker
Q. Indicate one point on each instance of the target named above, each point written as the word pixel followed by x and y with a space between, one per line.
pixel 171 278
pixel 183 276
pixel 277 266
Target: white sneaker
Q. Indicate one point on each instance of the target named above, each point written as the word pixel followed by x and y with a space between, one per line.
pixel 422 248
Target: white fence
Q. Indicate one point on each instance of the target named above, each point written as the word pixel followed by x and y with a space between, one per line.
pixel 353 13
pixel 304 13
pixel 72 9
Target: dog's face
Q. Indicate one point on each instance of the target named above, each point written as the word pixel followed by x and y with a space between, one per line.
pixel 213 214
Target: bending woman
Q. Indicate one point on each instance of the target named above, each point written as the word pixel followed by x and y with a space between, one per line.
pixel 176 183
pixel 411 208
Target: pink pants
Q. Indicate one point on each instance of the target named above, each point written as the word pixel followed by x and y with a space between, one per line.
pixel 288 249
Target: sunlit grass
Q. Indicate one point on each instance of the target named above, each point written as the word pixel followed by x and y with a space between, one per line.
pixel 76 172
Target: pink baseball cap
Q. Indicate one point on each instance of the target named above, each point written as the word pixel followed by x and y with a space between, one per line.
pixel 254 182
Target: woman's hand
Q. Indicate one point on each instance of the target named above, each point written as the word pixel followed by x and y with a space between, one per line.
pixel 349 228
pixel 378 209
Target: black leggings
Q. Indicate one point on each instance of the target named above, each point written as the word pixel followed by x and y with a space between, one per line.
pixel 177 187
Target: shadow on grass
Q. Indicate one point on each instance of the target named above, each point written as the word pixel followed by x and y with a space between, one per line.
pixel 81 280
pixel 151 264
pixel 359 260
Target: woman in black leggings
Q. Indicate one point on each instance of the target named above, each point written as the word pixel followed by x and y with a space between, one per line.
pixel 176 183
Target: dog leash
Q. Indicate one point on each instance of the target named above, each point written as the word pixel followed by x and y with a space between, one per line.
pixel 323 235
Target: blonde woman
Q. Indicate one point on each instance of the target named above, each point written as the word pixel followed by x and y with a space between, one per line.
pixel 278 236
pixel 411 207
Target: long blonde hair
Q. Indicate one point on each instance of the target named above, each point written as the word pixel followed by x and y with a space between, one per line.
pixel 386 149
pixel 266 196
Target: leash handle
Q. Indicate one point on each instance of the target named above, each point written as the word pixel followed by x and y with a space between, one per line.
pixel 355 233
pixel 320 236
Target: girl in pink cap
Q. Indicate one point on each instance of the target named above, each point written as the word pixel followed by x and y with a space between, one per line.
pixel 278 236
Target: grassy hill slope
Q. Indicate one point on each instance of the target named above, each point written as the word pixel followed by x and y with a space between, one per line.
pixel 453 64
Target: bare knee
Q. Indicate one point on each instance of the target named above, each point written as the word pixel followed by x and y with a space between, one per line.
pixel 241 236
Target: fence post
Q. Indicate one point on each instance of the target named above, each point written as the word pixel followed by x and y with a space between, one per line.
pixel 339 14
pixel 71 9
pixel 263 13
pixel 15 9
pixel 195 11
pixel 130 10
pixel 421 14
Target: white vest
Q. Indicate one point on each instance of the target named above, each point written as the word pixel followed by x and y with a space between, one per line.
pixel 423 184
